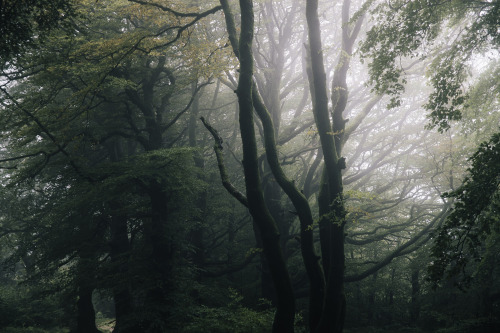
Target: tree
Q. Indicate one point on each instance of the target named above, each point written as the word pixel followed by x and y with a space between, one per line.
pixel 474 25
pixel 284 319
pixel 317 294
pixel 130 97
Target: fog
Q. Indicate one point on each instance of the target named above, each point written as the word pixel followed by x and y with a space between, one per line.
pixel 249 166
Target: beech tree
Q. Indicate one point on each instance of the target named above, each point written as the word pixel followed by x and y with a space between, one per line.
pixel 333 298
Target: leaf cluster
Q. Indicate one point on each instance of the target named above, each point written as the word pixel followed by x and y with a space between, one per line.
pixel 476 214
pixel 415 30
pixel 22 23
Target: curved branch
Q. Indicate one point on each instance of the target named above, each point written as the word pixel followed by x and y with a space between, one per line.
pixel 222 168
pixel 176 13
pixel 60 148
pixel 401 250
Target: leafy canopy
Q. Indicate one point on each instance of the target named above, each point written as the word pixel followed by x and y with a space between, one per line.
pixel 23 22
pixel 451 33
pixel 476 214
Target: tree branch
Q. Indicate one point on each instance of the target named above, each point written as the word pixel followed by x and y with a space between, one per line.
pixel 401 250
pixel 176 13
pixel 222 168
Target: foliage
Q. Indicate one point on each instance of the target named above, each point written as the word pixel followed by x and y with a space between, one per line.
pixel 23 23
pixel 67 117
pixel 22 306
pixel 232 318
pixel 414 30
pixel 478 120
pixel 474 217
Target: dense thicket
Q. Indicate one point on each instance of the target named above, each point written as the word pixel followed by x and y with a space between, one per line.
pixel 338 210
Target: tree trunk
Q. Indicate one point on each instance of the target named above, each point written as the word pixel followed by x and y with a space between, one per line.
pixel 371 299
pixel 311 260
pixel 415 292
pixel 160 285
pixel 285 313
pixel 266 279
pixel 332 219
pixel 314 271
pixel 85 279
pixel 86 313
pixel 120 254
pixel 120 257
pixel 272 197
pixel 196 233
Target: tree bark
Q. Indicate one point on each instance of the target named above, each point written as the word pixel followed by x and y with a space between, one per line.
pixel 285 313
pixel 159 292
pixel 311 259
pixel 332 217
pixel 85 279
pixel 86 313
pixel 120 256
pixel 197 232
pixel 415 293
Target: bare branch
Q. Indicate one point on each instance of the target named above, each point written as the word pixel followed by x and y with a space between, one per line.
pixel 176 13
pixel 222 168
